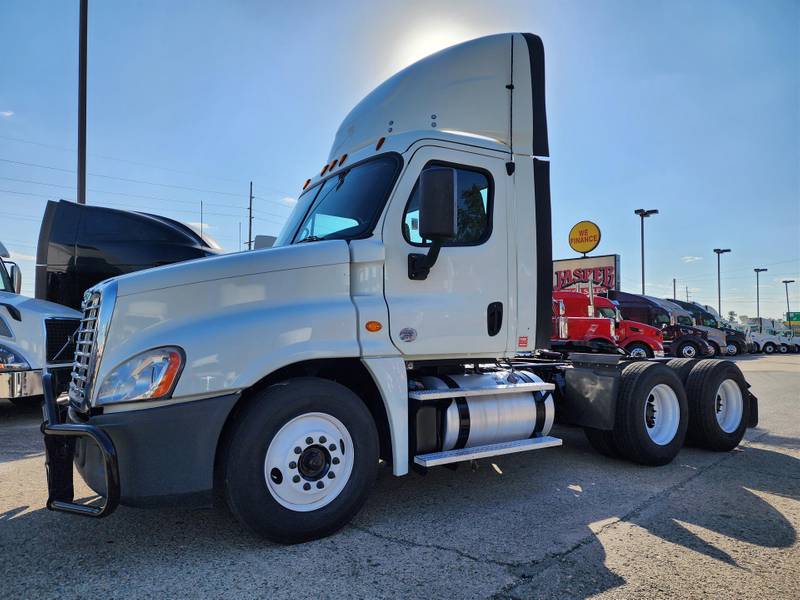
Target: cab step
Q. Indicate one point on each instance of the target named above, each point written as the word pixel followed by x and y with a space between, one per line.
pixel 507 388
pixel 434 459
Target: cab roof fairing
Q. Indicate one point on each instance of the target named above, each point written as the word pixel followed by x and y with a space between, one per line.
pixel 461 90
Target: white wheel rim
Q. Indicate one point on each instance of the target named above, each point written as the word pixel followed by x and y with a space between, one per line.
pixel 638 353
pixel 662 414
pixel 729 406
pixel 732 349
pixel 313 477
pixel 688 351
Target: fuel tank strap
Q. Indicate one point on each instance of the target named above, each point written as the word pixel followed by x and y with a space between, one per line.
pixel 463 414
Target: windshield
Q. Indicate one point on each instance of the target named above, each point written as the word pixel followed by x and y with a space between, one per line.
pixel 709 322
pixel 608 313
pixel 660 318
pixel 345 206
pixel 684 320
pixel 5 279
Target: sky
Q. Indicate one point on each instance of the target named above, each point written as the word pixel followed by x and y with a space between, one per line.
pixel 692 108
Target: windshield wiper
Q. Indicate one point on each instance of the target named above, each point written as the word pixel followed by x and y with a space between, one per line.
pixel 310 238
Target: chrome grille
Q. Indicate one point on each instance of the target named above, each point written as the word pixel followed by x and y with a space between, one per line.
pixel 85 347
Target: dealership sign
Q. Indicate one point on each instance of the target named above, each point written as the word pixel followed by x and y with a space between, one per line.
pixel 574 274
pixel 584 237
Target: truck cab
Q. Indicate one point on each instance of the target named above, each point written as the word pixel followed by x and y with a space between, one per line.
pixel 587 332
pixel 34 336
pixel 705 321
pixel 403 314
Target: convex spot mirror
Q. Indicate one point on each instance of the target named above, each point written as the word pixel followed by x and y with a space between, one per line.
pixel 438 205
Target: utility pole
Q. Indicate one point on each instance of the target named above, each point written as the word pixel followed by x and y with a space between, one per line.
pixel 201 219
pixel 758 299
pixel 240 236
pixel 687 293
pixel 82 55
pixel 250 221
pixel 786 283
pixel 644 214
pixel 719 252
pixel 674 294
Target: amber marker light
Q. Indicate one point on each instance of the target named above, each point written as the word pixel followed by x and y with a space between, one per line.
pixel 342 159
pixel 380 143
pixel 373 326
pixel 305 185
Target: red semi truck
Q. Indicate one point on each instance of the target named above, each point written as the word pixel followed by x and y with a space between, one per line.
pixel 637 339
pixel 577 331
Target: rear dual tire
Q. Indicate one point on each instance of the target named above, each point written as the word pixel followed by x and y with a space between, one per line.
pixel 719 405
pixel 651 416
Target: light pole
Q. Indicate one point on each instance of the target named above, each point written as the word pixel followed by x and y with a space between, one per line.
pixel 643 214
pixel 786 283
pixel 718 252
pixel 758 305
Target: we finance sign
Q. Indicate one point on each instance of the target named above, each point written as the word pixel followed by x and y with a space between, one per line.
pixel 574 274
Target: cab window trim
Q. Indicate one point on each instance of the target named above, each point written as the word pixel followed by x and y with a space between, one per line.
pixel 489 205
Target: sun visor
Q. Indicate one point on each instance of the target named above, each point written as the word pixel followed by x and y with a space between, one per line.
pixel 463 89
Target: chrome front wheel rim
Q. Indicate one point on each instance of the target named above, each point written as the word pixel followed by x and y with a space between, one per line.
pixel 729 406
pixel 732 349
pixel 662 414
pixel 688 351
pixel 309 462
pixel 638 352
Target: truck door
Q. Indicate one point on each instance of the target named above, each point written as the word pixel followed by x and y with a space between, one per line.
pixel 462 307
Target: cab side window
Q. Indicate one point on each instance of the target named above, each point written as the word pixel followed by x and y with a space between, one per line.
pixel 475 198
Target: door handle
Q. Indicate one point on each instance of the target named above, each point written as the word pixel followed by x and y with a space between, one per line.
pixel 494 318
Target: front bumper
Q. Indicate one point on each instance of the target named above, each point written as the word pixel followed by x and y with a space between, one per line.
pixel 155 456
pixel 21 384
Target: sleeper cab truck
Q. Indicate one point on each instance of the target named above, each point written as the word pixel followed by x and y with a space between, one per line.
pixel 735 339
pixel 637 339
pixel 681 338
pixel 705 321
pixel 584 332
pixel 82 245
pixel 386 323
pixel 35 336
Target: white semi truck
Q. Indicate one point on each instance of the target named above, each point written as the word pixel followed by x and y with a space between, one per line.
pixel 403 314
pixel 34 336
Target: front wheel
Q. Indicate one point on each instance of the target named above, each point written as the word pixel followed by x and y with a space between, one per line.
pixel 733 349
pixel 687 350
pixel 302 460
pixel 769 348
pixel 639 350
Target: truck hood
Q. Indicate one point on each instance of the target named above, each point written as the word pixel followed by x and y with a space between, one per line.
pixel 643 328
pixel 35 308
pixel 241 264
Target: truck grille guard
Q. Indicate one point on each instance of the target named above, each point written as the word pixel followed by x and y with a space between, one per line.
pixel 59 444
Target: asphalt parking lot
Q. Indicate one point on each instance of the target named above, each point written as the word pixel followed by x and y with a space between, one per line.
pixel 558 523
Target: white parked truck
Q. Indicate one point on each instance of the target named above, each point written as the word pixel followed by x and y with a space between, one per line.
pixel 34 336
pixel 403 314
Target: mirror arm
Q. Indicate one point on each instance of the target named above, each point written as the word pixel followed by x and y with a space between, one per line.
pixel 419 265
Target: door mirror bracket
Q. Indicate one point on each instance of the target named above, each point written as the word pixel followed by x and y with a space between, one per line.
pixel 438 212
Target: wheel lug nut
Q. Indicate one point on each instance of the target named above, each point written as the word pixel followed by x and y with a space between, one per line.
pixel 297 450
pixel 292 465
pixel 309 440
pixel 320 485
pixel 331 474
pixel 306 486
pixel 335 460
pixel 322 439
pixel 296 478
pixel 332 447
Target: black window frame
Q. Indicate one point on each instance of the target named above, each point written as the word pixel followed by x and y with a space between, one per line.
pixel 489 206
pixel 369 231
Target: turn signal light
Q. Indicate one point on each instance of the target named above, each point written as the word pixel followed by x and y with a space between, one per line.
pixel 380 143
pixel 373 326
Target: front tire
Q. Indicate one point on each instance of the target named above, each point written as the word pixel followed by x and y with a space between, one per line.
pixel 302 460
pixel 652 415
pixel 687 350
pixel 769 348
pixel 639 350
pixel 719 404
pixel 733 349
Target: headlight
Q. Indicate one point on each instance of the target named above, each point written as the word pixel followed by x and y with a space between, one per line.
pixel 12 361
pixel 150 375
